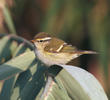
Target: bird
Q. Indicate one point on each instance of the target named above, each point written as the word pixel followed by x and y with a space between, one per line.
pixel 51 50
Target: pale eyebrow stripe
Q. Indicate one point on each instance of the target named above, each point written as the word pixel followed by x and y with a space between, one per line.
pixel 44 39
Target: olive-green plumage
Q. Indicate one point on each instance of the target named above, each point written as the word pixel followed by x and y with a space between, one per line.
pixel 51 50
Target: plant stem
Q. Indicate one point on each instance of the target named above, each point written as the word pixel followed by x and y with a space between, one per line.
pixel 9 20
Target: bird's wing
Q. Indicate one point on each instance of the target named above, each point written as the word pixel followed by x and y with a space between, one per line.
pixel 56 45
pixel 69 49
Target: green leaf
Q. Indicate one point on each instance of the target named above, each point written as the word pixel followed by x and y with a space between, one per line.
pixel 5 53
pixel 54 90
pixel 17 65
pixel 13 47
pixel 34 84
pixel 21 48
pixel 78 83
pixel 82 84
pixel 7 89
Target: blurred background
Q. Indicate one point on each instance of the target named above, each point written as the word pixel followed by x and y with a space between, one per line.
pixel 83 23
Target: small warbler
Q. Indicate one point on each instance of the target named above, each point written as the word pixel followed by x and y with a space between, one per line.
pixel 53 51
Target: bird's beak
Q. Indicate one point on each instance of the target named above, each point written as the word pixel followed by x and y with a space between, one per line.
pixel 32 41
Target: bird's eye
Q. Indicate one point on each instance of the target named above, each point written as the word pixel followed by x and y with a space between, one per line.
pixel 40 41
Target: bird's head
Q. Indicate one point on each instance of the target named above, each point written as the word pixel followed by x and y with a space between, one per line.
pixel 41 40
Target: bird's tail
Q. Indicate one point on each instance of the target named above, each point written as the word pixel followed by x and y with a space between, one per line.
pixel 81 52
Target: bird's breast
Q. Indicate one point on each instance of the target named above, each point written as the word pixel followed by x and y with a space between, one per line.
pixel 49 58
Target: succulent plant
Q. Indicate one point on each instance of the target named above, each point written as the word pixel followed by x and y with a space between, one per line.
pixel 23 77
